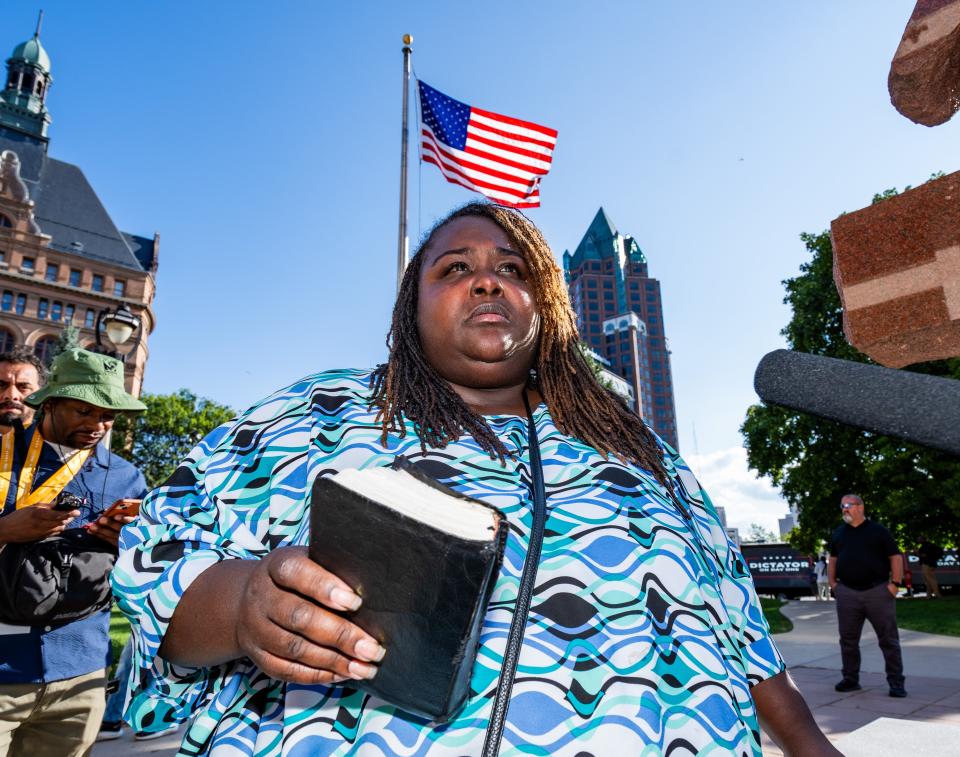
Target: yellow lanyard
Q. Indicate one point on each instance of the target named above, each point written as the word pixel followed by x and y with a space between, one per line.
pixel 6 465
pixel 50 488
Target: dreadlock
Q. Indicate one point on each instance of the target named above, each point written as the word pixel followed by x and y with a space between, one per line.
pixel 407 385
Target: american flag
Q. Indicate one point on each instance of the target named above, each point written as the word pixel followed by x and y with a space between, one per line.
pixel 497 156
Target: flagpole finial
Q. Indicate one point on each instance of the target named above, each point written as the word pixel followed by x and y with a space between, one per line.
pixel 408 39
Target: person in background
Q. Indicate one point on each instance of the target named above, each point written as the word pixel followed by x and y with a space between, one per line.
pixel 929 555
pixel 53 678
pixel 865 573
pixel 111 727
pixel 820 572
pixel 21 374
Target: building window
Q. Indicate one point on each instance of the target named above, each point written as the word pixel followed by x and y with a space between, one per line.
pixel 88 320
pixel 53 272
pixel 45 349
pixel 608 284
pixel 119 288
pixel 5 222
pixel 75 277
pixel 68 314
pixel 6 302
pixel 21 305
pixel 28 264
pixel 97 285
pixel 7 342
pixel 56 312
pixel 43 305
pixel 3 258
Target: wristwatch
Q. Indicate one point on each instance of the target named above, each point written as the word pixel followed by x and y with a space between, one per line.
pixel 898 584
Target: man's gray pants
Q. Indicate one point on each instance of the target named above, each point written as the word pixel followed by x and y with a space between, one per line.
pixel 879 607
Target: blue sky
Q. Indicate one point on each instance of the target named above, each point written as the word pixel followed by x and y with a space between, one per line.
pixel 262 142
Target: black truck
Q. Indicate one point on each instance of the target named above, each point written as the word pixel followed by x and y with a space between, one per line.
pixel 779 570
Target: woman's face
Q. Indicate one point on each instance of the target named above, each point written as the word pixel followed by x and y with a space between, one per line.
pixel 478 321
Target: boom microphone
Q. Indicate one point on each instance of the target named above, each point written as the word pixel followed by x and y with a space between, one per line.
pixel 911 406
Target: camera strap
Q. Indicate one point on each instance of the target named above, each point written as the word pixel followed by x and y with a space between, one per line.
pixel 50 488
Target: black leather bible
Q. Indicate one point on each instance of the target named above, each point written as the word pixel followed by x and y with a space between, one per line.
pixel 424 560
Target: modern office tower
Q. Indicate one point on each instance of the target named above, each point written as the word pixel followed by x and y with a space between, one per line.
pixel 620 315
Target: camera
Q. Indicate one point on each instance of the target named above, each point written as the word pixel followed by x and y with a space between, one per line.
pixel 65 502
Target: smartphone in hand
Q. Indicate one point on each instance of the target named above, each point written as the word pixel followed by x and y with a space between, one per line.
pixel 123 507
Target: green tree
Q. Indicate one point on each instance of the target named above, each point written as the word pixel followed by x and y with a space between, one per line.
pixel 814 462
pixel 67 339
pixel 159 438
pixel 757 533
pixel 595 365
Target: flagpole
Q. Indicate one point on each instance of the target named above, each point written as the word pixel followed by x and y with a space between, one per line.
pixel 405 139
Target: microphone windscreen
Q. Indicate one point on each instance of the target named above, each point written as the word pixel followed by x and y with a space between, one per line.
pixel 912 406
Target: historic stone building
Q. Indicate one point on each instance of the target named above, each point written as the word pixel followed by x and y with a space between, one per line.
pixel 62 258
pixel 620 316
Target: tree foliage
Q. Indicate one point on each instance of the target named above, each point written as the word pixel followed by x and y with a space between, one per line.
pixel 913 490
pixel 158 439
pixel 67 339
pixel 595 365
pixel 757 534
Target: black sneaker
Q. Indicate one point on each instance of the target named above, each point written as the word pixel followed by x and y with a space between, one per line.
pixel 898 691
pixel 847 685
pixel 110 730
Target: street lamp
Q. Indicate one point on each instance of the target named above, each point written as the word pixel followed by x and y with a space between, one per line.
pixel 119 326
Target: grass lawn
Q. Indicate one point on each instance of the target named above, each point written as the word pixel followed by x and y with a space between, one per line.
pixel 779 623
pixel 930 615
pixel 119 631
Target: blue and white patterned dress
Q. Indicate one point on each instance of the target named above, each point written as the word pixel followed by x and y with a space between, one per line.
pixel 644 634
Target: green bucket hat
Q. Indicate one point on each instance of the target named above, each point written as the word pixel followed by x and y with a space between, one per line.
pixel 89 377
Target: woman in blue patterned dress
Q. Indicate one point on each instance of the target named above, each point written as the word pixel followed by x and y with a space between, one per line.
pixel 636 623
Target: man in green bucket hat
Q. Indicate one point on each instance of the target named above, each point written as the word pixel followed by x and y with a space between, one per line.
pixel 55 675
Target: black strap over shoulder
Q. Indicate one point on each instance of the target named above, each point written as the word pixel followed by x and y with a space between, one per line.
pixel 511 654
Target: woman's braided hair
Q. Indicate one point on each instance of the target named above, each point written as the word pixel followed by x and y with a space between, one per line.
pixel 407 385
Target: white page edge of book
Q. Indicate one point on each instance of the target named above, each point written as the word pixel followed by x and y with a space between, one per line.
pixel 421 502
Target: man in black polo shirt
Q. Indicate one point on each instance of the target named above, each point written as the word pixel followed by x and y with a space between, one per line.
pixel 865 572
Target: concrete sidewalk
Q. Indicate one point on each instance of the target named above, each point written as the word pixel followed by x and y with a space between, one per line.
pixel 931 663
pixel 812 653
